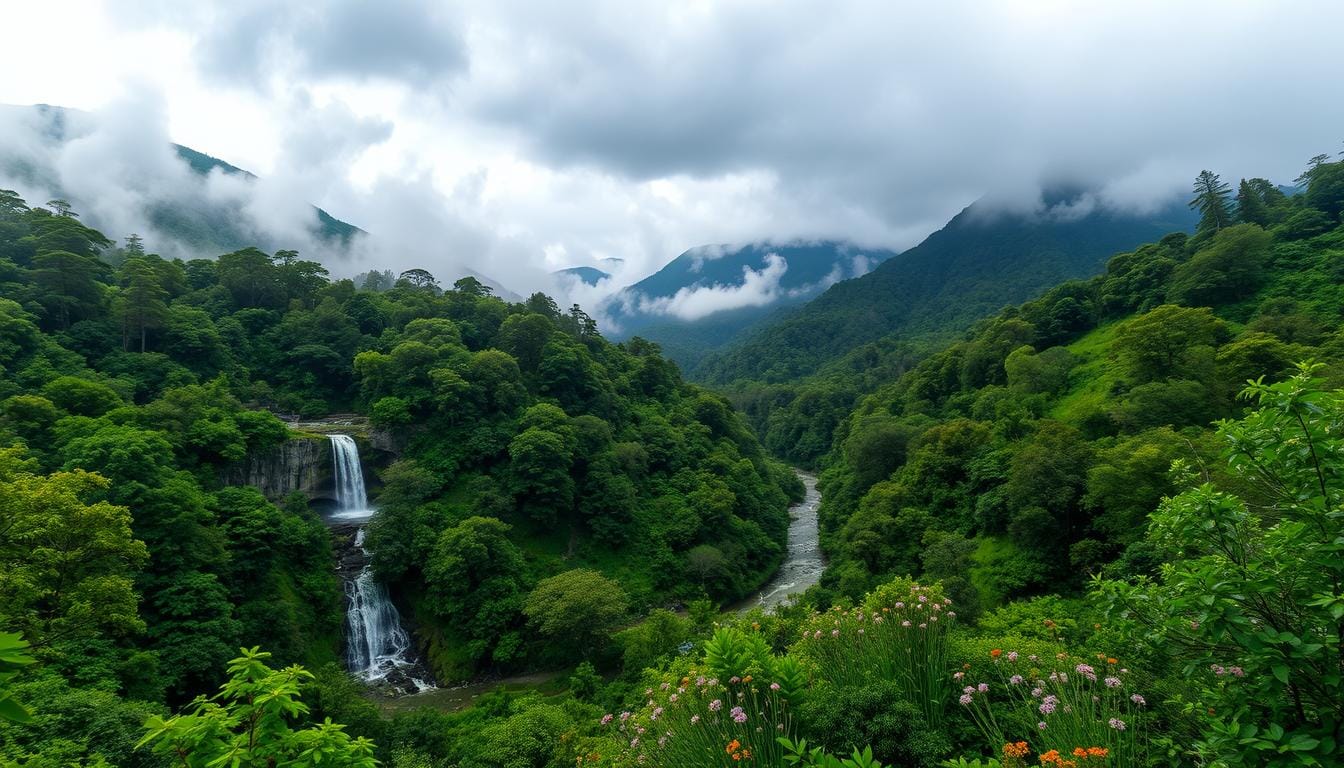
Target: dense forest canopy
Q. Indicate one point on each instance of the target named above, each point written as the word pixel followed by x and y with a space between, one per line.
pixel 1100 528
pixel 530 448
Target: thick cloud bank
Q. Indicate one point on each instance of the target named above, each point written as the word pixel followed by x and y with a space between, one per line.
pixel 520 138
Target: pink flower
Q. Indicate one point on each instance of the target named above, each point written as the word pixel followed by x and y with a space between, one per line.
pixel 774 686
pixel 695 719
pixel 1048 705
pixel 835 633
pixel 656 712
pixel 1112 682
pixel 606 719
pixel 715 705
pixel 1117 723
pixel 923 599
pixel 1137 699
pixel 900 604
pixel 1012 655
pixel 905 623
pixel 958 675
pixel 877 619
pixel 1015 679
pixel 739 715
pixel 734 679
pixel 625 716
pixel 1236 671
pixel 672 698
pixel 965 699
pixel 983 687
pixel 1041 725
pixel 1086 671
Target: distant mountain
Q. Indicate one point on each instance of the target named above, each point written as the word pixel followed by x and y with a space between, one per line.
pixel 190 220
pixel 709 295
pixel 978 263
pixel 589 275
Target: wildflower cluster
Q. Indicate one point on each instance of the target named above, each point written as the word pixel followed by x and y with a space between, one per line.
pixel 1069 700
pixel 703 721
pixel 901 635
pixel 1079 756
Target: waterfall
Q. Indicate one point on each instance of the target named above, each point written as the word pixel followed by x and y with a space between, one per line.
pixel 377 645
pixel 352 502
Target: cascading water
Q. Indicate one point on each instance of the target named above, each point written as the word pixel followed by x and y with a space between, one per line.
pixel 352 502
pixel 376 643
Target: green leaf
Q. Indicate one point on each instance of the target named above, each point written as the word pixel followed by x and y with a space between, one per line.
pixel 1280 672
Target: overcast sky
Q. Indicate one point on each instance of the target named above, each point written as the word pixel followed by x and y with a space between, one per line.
pixel 517 138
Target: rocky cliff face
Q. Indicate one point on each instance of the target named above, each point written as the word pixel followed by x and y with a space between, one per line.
pixel 299 464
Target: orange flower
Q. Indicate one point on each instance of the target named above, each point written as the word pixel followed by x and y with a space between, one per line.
pixel 1079 752
pixel 1097 751
pixel 1112 660
pixel 996 653
pixel 732 746
pixel 747 679
pixel 1015 750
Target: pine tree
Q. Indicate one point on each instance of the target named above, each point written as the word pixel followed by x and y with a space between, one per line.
pixel 141 303
pixel 1211 199
pixel 1250 208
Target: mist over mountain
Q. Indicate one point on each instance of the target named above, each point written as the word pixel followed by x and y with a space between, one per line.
pixel 586 275
pixel 708 295
pixel 182 201
pixel 986 257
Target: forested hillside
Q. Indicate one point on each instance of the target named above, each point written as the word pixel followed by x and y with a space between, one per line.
pixel 1028 455
pixel 712 295
pixel 541 468
pixel 799 374
pixel 198 223
pixel 1041 551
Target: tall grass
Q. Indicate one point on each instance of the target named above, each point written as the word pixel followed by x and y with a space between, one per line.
pixel 699 720
pixel 1062 706
pixel 900 634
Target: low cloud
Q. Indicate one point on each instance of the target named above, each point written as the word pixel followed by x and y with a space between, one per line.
pixel 758 288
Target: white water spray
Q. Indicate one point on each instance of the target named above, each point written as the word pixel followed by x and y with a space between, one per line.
pixel 376 642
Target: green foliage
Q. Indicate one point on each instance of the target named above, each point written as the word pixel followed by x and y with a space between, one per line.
pixel 797 753
pixel 13 657
pixel 70 561
pixel 249 724
pixel 876 718
pixel 475 585
pixel 1249 602
pixel 576 610
pixel 1212 201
